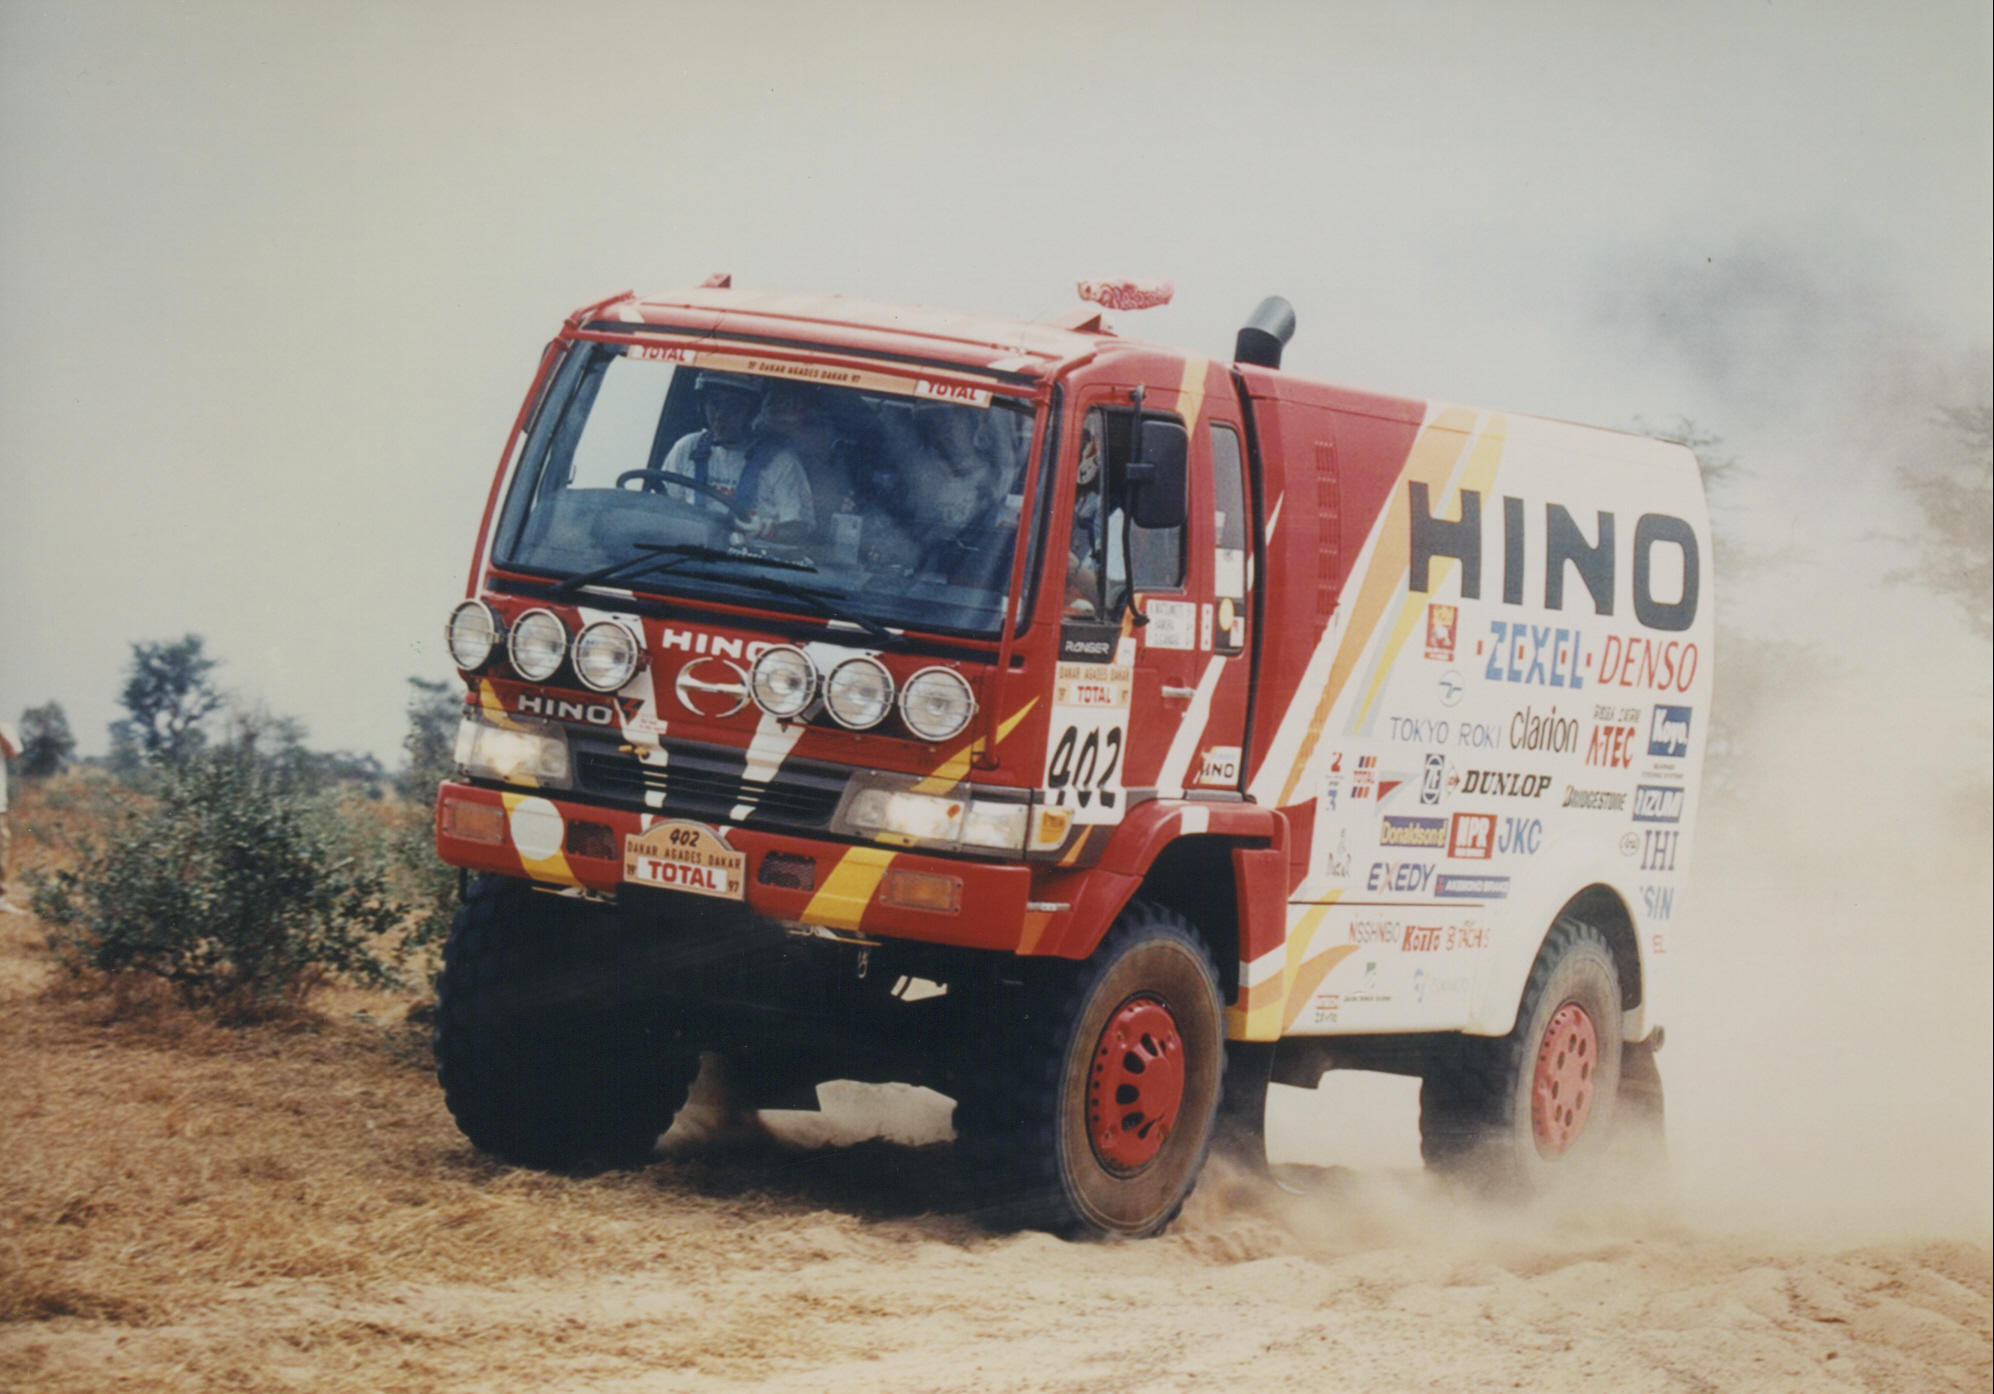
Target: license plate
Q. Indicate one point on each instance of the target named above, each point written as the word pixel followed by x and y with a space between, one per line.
pixel 680 856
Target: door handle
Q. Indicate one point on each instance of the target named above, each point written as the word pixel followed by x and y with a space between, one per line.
pixel 1182 694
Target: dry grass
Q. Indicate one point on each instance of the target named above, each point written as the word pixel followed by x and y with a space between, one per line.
pixel 158 1171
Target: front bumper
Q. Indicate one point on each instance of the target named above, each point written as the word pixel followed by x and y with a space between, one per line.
pixel 862 889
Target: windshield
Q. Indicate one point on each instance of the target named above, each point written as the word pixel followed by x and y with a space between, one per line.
pixel 886 507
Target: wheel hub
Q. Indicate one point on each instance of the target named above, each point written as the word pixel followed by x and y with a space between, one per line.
pixel 1561 1092
pixel 1135 1085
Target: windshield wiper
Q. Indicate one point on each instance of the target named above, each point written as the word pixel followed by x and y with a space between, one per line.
pixel 820 601
pixel 667 555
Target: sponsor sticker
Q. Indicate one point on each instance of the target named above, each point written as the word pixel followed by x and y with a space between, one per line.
pixel 1364 778
pixel 1658 803
pixel 1520 837
pixel 1611 747
pixel 1441 623
pixel 1219 765
pixel 1658 849
pixel 1433 780
pixel 1657 665
pixel 1668 732
pixel 684 856
pixel 1505 784
pixel 1089 643
pixel 1596 800
pixel 1412 832
pixel 1456 886
pixel 659 353
pixel 1092 685
pixel 1539 654
pixel 951 392
pixel 1405 878
pixel 1472 837
pixel 1173 624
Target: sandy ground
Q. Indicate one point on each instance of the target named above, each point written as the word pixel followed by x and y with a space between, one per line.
pixel 183 1208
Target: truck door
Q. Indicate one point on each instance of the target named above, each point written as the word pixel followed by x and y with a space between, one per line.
pixel 1225 606
pixel 1171 607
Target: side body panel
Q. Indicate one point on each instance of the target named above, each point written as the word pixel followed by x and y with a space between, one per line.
pixel 1506 706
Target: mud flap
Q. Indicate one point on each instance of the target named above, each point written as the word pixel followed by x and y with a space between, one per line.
pixel 1240 1134
pixel 1640 1136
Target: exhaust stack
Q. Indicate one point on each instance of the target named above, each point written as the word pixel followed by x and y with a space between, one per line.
pixel 1265 333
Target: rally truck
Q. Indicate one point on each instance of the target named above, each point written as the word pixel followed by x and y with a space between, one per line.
pixel 1090 731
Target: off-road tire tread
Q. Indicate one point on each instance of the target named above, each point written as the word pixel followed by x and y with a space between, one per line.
pixel 1468 1094
pixel 549 1056
pixel 1006 1119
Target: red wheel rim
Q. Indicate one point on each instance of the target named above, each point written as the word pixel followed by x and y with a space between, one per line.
pixel 1135 1085
pixel 1561 1092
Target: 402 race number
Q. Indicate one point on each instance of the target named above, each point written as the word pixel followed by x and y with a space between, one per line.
pixel 1084 771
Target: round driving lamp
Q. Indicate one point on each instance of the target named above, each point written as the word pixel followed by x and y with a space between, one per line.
pixel 537 644
pixel 937 704
pixel 605 656
pixel 783 681
pixel 472 634
pixel 859 693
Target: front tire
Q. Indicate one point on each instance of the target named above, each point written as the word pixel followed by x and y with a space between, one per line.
pixel 1521 1113
pixel 548 1052
pixel 1088 1098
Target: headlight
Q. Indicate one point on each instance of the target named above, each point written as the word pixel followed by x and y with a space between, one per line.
pixel 471 633
pixel 936 704
pixel 859 693
pixel 999 826
pixel 915 817
pixel 605 656
pixel 783 681
pixel 887 808
pixel 537 644
pixel 525 752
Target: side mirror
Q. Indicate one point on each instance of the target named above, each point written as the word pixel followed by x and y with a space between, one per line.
pixel 1156 475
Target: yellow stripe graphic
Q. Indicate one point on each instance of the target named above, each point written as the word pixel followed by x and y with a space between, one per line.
pixel 1479 474
pixel 1431 460
pixel 951 771
pixel 1191 392
pixel 1274 1004
pixel 841 901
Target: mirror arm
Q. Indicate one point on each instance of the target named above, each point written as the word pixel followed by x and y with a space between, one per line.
pixel 1136 616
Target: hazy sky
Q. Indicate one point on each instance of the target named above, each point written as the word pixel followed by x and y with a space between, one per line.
pixel 275 275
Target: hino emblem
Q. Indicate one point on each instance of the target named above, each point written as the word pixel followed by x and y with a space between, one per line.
pixel 712 688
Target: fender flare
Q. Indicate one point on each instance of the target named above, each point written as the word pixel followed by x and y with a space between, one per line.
pixel 1257 836
pixel 1531 921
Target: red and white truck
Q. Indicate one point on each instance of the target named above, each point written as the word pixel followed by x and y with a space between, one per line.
pixel 1088 730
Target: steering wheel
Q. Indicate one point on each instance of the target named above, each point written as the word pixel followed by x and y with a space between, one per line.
pixel 675 480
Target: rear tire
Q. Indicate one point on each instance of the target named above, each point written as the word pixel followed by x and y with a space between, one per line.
pixel 1088 1098
pixel 1521 1113
pixel 549 1053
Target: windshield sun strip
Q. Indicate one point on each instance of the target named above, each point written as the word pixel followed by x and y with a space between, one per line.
pixel 600 331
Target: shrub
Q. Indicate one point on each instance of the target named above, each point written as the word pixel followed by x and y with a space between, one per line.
pixel 228 883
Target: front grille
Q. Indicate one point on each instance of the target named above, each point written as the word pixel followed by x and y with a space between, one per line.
pixel 709 784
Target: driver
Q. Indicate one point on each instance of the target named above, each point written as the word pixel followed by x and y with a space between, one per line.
pixel 751 467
